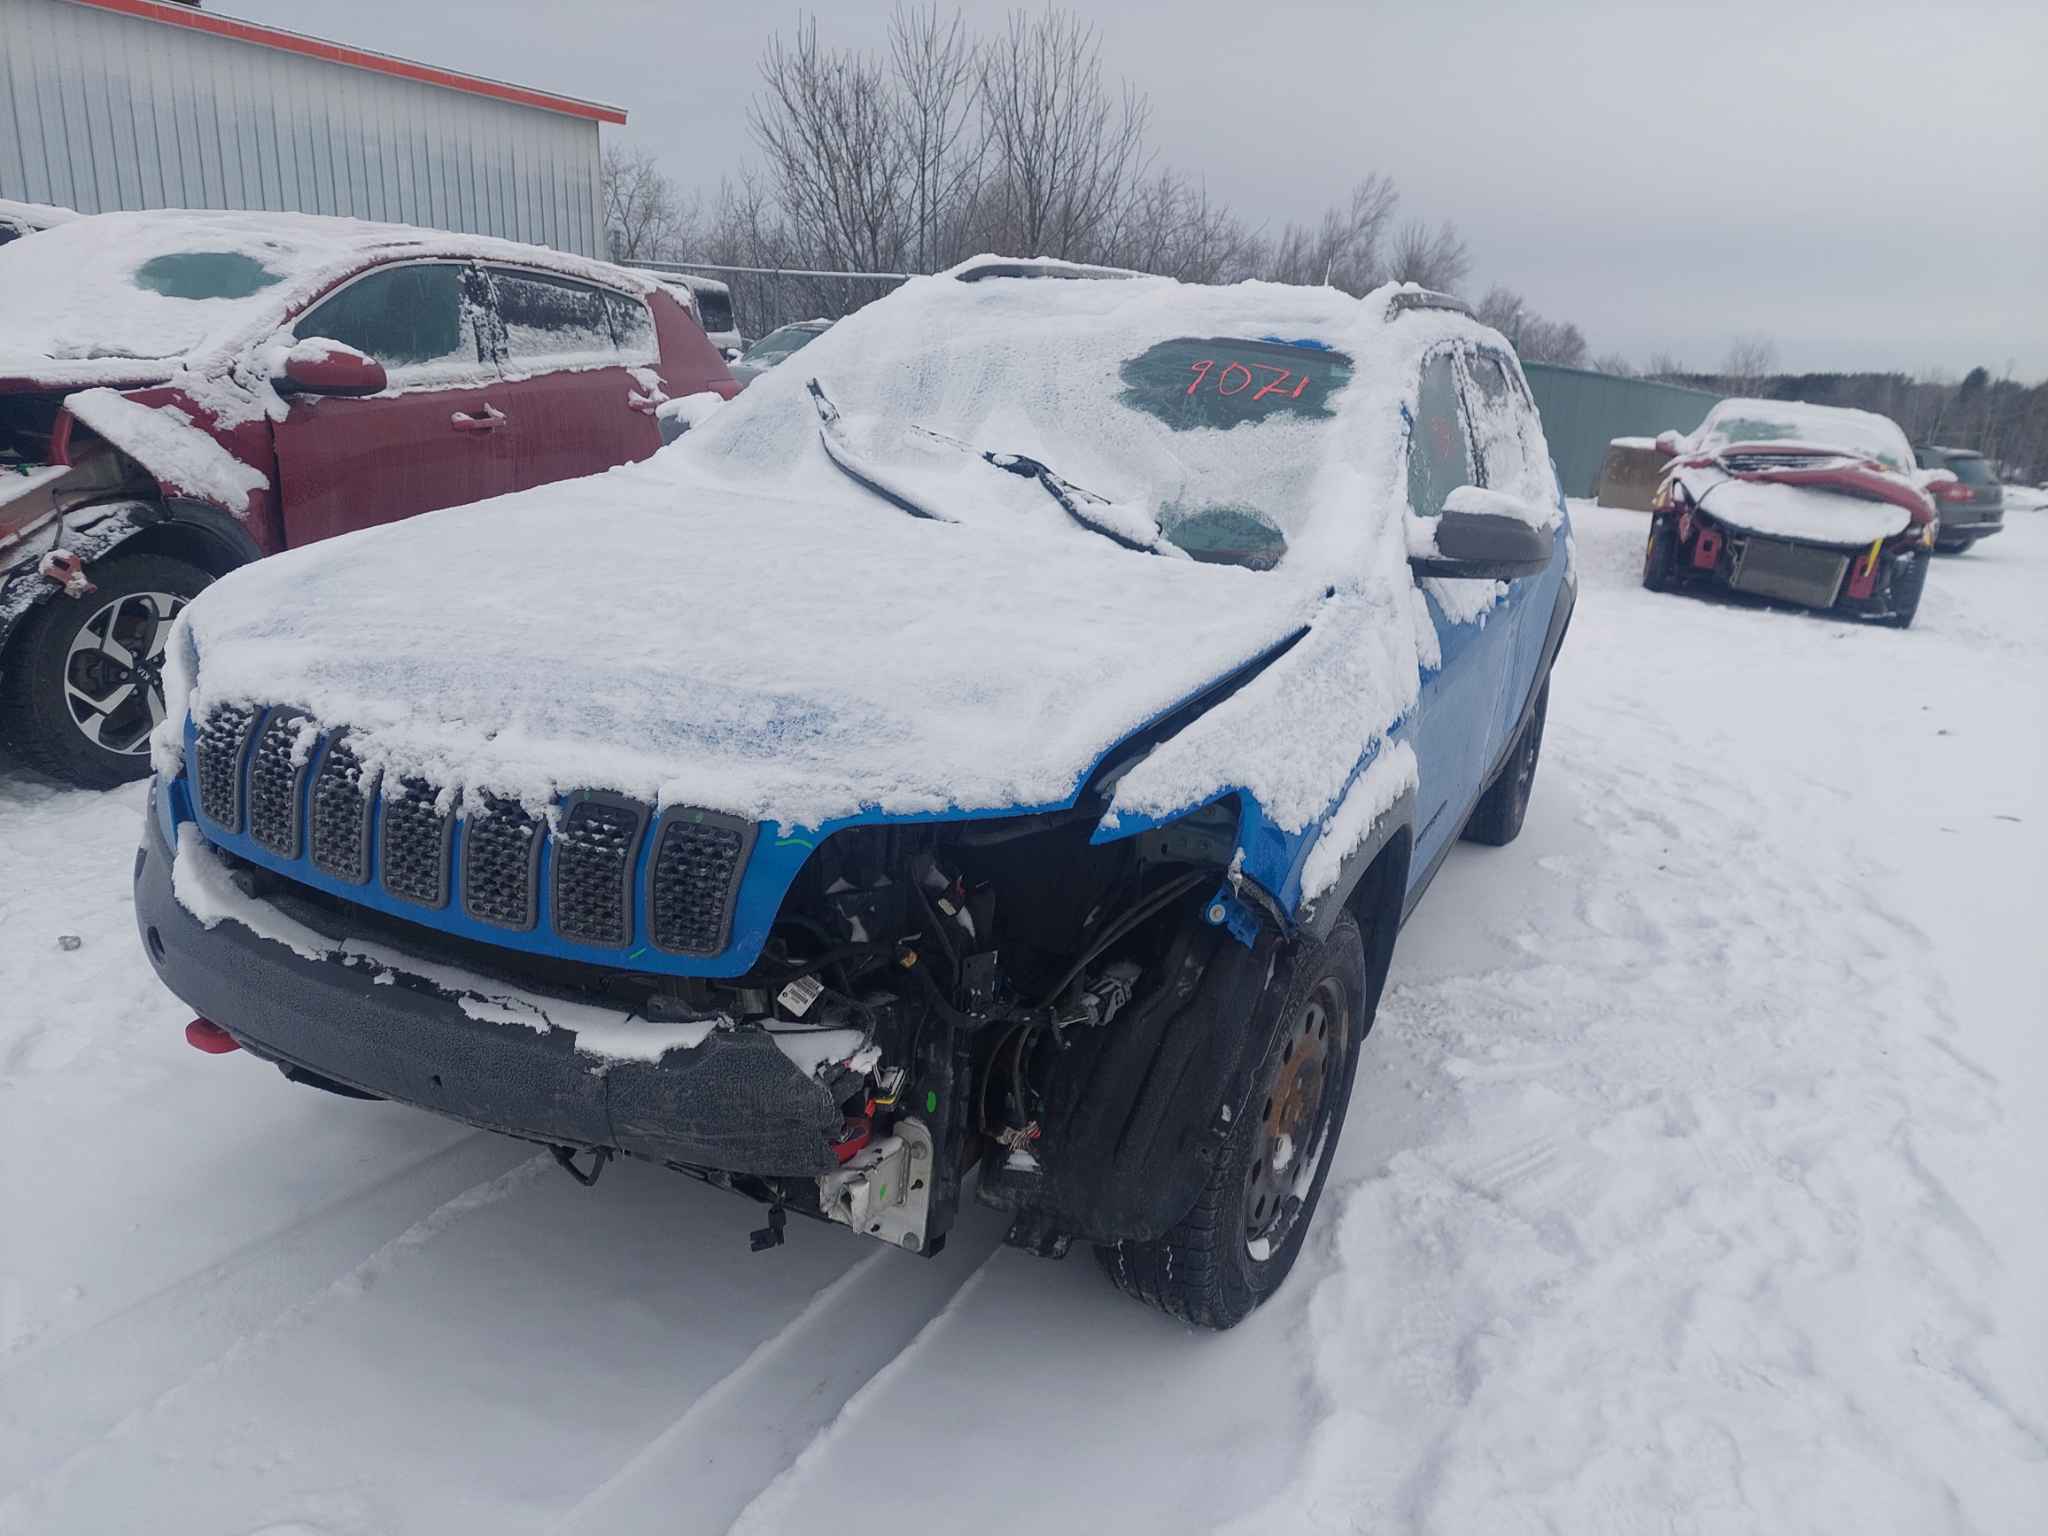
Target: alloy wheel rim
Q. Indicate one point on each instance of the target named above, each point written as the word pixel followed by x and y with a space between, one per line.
pixel 113 673
pixel 1294 1118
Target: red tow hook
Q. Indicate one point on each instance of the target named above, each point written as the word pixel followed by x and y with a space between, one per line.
pixel 205 1035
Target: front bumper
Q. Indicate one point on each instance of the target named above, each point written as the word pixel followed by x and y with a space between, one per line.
pixel 734 1102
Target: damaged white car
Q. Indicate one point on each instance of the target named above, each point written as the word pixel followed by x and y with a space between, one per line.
pixel 1007 741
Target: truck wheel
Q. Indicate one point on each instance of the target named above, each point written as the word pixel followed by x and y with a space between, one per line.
pixel 1658 555
pixel 1907 585
pixel 1232 1250
pixel 81 687
pixel 1497 818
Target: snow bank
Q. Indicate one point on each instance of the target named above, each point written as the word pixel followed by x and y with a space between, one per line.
pixel 743 627
pixel 165 441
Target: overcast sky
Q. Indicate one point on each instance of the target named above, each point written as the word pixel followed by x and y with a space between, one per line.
pixel 1867 185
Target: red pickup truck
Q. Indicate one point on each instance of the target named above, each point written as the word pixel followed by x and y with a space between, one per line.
pixel 183 392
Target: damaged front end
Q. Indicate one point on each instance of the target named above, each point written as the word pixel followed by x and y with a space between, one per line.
pixel 841 1023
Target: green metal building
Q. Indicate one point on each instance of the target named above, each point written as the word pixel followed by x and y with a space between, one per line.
pixel 1583 411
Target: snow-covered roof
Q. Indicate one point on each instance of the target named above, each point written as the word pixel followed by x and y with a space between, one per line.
pixel 739 624
pixel 80 304
pixel 35 215
pixel 1740 420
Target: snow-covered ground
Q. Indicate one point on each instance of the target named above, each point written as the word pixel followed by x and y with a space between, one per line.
pixel 1693 1184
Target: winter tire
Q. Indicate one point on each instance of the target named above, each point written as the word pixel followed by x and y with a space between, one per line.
pixel 1957 547
pixel 1658 555
pixel 1497 819
pixel 1235 1247
pixel 81 687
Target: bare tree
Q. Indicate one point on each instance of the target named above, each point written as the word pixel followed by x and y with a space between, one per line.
pixel 1066 147
pixel 944 135
pixel 828 126
pixel 645 217
pixel 1344 248
pixel 1614 365
pixel 1534 338
pixel 1664 365
pixel 1749 361
pixel 1435 258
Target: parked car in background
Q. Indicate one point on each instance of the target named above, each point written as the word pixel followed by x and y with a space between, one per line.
pixel 1810 504
pixel 778 344
pixel 184 392
pixel 711 302
pixel 1972 505
pixel 1010 740
pixel 18 219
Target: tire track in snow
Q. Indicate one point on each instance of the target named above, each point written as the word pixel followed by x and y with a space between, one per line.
pixel 758 1423
pixel 349 1285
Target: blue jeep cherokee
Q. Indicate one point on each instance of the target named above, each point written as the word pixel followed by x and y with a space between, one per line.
pixel 1008 741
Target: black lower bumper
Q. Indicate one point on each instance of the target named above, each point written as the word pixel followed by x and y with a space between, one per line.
pixel 735 1102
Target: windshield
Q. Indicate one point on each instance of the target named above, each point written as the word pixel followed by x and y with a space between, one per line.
pixel 1734 422
pixel 1199 446
pixel 778 344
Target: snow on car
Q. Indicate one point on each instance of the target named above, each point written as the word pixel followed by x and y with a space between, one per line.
pixel 18 219
pixel 1810 504
pixel 1010 738
pixel 184 392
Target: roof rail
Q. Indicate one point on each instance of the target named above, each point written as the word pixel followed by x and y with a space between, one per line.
pixel 1426 298
pixel 1066 269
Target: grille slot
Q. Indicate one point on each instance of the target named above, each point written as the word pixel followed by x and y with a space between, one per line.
pixel 223 740
pixel 415 848
pixel 338 820
pixel 593 869
pixel 274 784
pixel 500 858
pixel 693 878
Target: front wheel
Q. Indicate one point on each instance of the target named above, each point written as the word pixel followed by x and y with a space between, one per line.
pixel 1233 1249
pixel 1659 555
pixel 1907 585
pixel 81 687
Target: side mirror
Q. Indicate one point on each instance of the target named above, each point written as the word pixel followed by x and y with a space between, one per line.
pixel 1670 444
pixel 317 366
pixel 1481 534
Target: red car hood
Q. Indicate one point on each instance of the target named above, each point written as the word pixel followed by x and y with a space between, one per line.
pixel 1802 464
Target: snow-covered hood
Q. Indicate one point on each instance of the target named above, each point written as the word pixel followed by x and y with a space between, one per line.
pixel 689 642
pixel 1796 492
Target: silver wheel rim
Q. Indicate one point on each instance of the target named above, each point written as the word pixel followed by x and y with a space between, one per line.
pixel 113 673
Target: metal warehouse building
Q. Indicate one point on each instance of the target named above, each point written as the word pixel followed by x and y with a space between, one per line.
pixel 115 104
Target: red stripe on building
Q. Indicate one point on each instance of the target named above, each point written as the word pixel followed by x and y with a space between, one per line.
pixel 354 58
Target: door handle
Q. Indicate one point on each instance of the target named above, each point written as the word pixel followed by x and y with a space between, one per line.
pixel 490 419
pixel 648 404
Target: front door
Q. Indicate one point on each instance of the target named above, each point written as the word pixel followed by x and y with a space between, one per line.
pixel 1457 726
pixel 435 438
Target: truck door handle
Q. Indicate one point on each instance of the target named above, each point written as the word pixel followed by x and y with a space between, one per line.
pixel 489 420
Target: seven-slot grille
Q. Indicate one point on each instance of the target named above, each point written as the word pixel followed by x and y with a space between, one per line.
pixel 698 859
pixel 313 800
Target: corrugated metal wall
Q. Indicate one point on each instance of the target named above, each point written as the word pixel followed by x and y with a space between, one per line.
pixel 1582 411
pixel 101 111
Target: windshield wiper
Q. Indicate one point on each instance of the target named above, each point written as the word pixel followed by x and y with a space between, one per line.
pixel 1073 500
pixel 849 463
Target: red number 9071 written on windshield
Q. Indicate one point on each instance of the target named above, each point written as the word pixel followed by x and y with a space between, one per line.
pixel 1235 378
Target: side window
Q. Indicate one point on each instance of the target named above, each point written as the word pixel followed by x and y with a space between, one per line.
pixel 1511 456
pixel 402 316
pixel 552 320
pixel 1439 452
pixel 632 328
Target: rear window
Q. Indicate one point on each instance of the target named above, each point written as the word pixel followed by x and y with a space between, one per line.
pixel 1972 470
pixel 714 309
